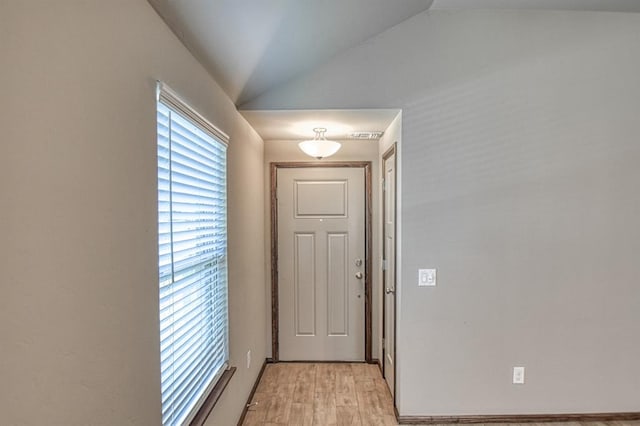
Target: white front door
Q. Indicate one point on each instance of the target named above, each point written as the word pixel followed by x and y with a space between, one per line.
pixel 389 275
pixel 321 255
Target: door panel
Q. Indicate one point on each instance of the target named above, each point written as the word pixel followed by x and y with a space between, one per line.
pixel 321 234
pixel 337 285
pixel 304 261
pixel 389 275
pixel 320 198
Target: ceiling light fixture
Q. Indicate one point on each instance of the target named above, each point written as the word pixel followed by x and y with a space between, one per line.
pixel 319 147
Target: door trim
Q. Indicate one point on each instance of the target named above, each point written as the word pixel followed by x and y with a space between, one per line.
pixel 366 166
pixel 388 153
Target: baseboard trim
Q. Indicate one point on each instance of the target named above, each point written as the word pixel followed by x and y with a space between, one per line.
pixel 253 390
pixel 519 418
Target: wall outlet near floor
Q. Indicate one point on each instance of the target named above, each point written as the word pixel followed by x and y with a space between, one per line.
pixel 518 375
pixel 249 358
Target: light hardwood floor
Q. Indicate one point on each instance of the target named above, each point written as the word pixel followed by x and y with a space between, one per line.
pixel 323 394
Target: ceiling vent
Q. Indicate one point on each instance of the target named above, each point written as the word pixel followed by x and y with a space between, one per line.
pixel 364 135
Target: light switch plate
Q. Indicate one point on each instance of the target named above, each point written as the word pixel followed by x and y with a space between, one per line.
pixel 518 375
pixel 426 277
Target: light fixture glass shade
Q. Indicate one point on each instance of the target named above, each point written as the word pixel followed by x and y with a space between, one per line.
pixel 319 147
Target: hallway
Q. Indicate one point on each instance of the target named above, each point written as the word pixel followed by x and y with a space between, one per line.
pixel 321 394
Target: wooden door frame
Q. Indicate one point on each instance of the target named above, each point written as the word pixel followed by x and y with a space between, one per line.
pixel 388 153
pixel 366 166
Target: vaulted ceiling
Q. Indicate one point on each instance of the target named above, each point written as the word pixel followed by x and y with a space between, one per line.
pixel 252 47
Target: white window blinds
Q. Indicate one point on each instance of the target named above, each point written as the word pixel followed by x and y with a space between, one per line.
pixel 192 238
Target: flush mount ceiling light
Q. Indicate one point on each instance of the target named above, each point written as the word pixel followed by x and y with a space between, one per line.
pixel 319 147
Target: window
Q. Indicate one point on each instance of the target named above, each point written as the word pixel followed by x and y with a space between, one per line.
pixel 192 239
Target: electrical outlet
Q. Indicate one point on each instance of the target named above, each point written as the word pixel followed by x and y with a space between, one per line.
pixel 249 358
pixel 518 375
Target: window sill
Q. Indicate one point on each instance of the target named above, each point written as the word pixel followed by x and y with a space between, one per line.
pixel 212 399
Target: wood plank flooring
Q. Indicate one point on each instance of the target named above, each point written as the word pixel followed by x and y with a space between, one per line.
pixel 321 394
pixel 328 394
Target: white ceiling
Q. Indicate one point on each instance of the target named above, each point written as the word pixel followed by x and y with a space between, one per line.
pixel 254 46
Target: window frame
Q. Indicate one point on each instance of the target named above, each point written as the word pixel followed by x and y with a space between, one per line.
pixel 207 397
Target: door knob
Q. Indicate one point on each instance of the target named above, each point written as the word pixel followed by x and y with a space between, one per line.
pixel 359 275
pixel 389 290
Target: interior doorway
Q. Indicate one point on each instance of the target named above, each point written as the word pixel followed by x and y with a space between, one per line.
pixel 389 268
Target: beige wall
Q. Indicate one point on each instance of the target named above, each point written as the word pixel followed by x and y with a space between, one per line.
pixel 392 134
pixel 286 150
pixel 520 186
pixel 79 305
